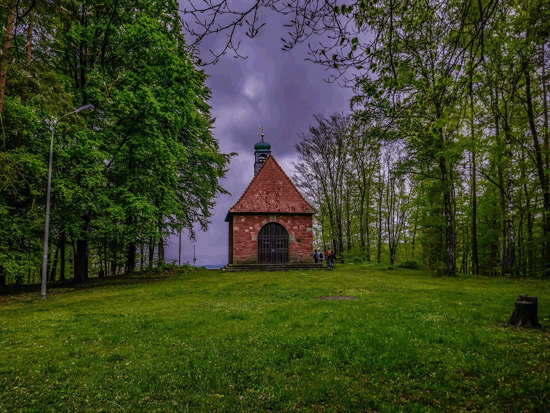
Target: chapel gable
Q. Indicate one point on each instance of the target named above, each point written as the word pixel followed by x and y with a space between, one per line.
pixel 271 191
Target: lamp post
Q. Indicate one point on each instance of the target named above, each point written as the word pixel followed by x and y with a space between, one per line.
pixel 85 108
pixel 180 251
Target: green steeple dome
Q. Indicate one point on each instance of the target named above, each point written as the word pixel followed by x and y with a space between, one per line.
pixel 262 146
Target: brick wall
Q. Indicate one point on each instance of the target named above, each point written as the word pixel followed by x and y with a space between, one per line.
pixel 245 230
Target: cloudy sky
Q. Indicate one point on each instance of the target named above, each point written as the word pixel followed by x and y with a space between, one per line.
pixel 276 88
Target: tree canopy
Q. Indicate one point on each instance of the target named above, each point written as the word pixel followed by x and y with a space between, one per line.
pixel 143 165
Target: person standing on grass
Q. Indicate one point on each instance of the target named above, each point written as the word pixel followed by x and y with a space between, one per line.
pixel 321 257
pixel 327 255
pixel 316 257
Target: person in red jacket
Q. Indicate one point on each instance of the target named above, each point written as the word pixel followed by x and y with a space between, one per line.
pixel 329 257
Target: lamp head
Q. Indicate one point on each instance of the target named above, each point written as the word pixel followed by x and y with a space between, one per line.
pixel 85 108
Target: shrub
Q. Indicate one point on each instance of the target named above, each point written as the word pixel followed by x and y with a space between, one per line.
pixel 357 260
pixel 410 265
pixel 187 269
pixel 440 269
pixel 352 257
pixel 165 266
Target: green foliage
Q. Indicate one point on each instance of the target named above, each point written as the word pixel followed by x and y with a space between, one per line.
pixel 353 257
pixel 143 165
pixel 410 265
pixel 431 220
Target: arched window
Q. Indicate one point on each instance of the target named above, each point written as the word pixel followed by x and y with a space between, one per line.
pixel 262 158
pixel 273 244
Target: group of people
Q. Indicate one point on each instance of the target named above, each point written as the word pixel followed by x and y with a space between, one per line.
pixel 329 256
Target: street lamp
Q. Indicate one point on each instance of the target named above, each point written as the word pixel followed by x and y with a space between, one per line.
pixel 84 109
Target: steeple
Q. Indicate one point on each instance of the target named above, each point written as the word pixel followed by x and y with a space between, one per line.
pixel 261 151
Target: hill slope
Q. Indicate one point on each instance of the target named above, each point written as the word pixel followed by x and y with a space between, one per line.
pixel 210 341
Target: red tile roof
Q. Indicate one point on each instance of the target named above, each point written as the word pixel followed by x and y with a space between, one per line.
pixel 271 191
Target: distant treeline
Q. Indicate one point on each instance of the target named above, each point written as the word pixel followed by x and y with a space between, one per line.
pixel 378 202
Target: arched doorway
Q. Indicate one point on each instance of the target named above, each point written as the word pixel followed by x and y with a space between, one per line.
pixel 273 244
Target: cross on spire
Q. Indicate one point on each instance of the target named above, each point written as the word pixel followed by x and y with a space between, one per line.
pixel 262 132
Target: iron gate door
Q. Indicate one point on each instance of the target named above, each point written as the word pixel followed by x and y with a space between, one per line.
pixel 273 244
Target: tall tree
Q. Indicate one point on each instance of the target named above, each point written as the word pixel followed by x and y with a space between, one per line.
pixel 324 154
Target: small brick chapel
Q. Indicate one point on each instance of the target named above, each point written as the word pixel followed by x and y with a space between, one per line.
pixel 271 223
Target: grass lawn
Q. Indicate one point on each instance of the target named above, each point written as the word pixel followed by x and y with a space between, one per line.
pixel 213 341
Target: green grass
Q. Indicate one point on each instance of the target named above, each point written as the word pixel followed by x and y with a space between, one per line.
pixel 212 341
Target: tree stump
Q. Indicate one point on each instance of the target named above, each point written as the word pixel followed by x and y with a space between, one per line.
pixel 525 312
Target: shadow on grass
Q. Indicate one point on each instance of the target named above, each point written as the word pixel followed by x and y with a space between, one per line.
pixel 16 292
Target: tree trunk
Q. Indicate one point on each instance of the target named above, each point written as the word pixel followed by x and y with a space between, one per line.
pixel 503 225
pixel 113 266
pixel 130 222
pixel 62 246
pixel 324 241
pixel 449 220
pixel 362 235
pixel 379 246
pixel 530 243
pixel 161 251
pixel 541 174
pixel 511 252
pixel 475 261
pixel 453 212
pixel 81 258
pixel 105 263
pixel 362 222
pixel 348 219
pixel 502 194
pixel 28 52
pixel 4 57
pixel 367 227
pixel 131 258
pixel 464 266
pixel 54 266
pixel 525 312
pixel 521 249
pixel 389 212
pixel 413 240
pixel 338 251
pixel 73 250
pixel 142 255
pixel 546 149
pixel 545 108
pixel 449 236
pixel 151 252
